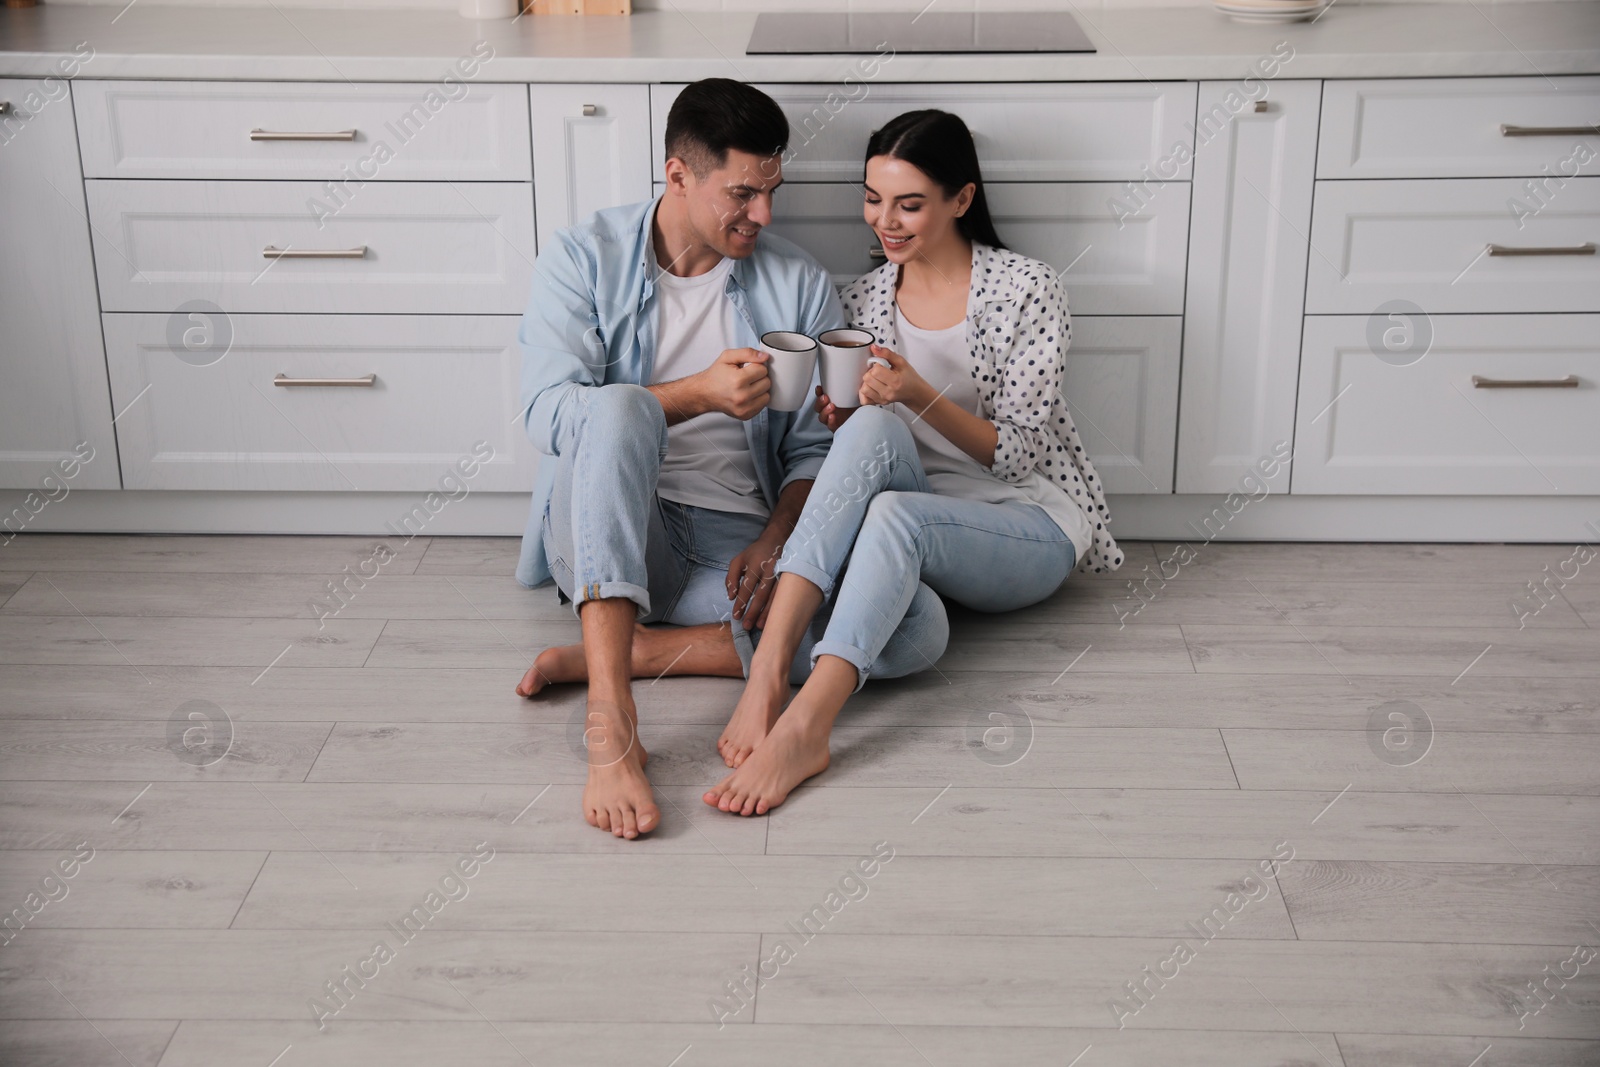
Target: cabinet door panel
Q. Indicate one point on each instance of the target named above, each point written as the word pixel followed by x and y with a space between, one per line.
pixel 1246 292
pixel 1121 384
pixel 53 391
pixel 1451 127
pixel 1402 425
pixel 1429 242
pixel 398 132
pixel 405 247
pixel 216 420
pixel 591 146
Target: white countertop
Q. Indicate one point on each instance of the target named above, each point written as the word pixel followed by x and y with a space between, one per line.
pixel 1348 41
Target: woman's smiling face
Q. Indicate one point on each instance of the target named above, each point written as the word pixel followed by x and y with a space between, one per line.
pixel 907 209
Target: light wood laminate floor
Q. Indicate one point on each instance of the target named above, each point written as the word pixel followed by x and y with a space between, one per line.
pixel 1076 791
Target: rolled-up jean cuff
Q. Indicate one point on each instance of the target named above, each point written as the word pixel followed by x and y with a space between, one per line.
pixel 849 653
pixel 815 575
pixel 611 591
pixel 743 646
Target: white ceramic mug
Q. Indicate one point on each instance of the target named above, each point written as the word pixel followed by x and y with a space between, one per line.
pixel 846 354
pixel 791 362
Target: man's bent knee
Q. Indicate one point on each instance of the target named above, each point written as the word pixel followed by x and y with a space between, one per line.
pixel 624 410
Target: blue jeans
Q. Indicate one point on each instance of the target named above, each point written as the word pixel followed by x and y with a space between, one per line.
pixel 871 508
pixel 614 538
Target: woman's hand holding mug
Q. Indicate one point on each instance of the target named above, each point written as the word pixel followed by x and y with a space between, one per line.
pixel 892 379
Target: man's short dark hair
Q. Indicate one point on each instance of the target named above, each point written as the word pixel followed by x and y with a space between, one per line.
pixel 711 116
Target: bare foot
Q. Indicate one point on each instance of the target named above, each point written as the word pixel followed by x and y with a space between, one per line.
pixel 794 751
pixel 752 720
pixel 563 664
pixel 617 796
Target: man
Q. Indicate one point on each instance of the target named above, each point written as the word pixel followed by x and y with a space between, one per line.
pixel 672 487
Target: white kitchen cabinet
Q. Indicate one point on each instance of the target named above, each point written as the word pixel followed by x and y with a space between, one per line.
pixel 1121 385
pixel 592 144
pixel 1026 132
pixel 1459 128
pixel 53 392
pixel 401 247
pixel 1246 293
pixel 344 133
pixel 1480 404
pixel 219 419
pixel 1453 245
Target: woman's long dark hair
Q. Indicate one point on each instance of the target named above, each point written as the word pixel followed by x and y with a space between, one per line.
pixel 939 145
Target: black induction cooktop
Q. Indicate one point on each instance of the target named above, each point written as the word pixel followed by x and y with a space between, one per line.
pixel 980 32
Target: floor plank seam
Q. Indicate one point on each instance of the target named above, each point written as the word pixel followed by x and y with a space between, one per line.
pixel 247 892
pixel 1231 768
pixel 306 778
pixel 376 641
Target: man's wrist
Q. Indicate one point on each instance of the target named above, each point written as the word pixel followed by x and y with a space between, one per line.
pixel 680 399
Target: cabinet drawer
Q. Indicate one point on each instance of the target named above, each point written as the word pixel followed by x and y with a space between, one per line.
pixel 1136 269
pixel 1425 428
pixel 1023 132
pixel 1451 127
pixel 1121 384
pixel 443 383
pixel 429 247
pixel 137 129
pixel 1428 242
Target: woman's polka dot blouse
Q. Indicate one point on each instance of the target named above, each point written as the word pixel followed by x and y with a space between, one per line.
pixel 1019 330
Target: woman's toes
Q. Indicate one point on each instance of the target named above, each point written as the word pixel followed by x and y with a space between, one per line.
pixel 630 823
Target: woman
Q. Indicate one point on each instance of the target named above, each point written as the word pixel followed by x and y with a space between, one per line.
pixel 961 471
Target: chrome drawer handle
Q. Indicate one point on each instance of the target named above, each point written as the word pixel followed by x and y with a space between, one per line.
pixel 1480 382
pixel 1585 249
pixel 877 253
pixel 358 252
pixel 1547 131
pixel 284 379
pixel 326 135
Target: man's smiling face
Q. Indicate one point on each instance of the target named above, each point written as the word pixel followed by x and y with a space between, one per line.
pixel 728 208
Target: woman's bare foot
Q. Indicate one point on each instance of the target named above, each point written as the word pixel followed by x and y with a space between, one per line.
pixel 793 751
pixel 562 664
pixel 617 796
pixel 752 720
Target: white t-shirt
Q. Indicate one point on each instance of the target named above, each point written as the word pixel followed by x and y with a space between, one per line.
pixel 708 463
pixel 942 358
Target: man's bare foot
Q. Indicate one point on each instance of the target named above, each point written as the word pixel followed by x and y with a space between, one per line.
pixel 794 751
pixel 562 664
pixel 617 796
pixel 752 720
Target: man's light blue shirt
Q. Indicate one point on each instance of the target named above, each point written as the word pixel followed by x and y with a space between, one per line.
pixel 591 320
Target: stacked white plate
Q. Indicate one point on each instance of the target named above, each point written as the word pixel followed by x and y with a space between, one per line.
pixel 1269 10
